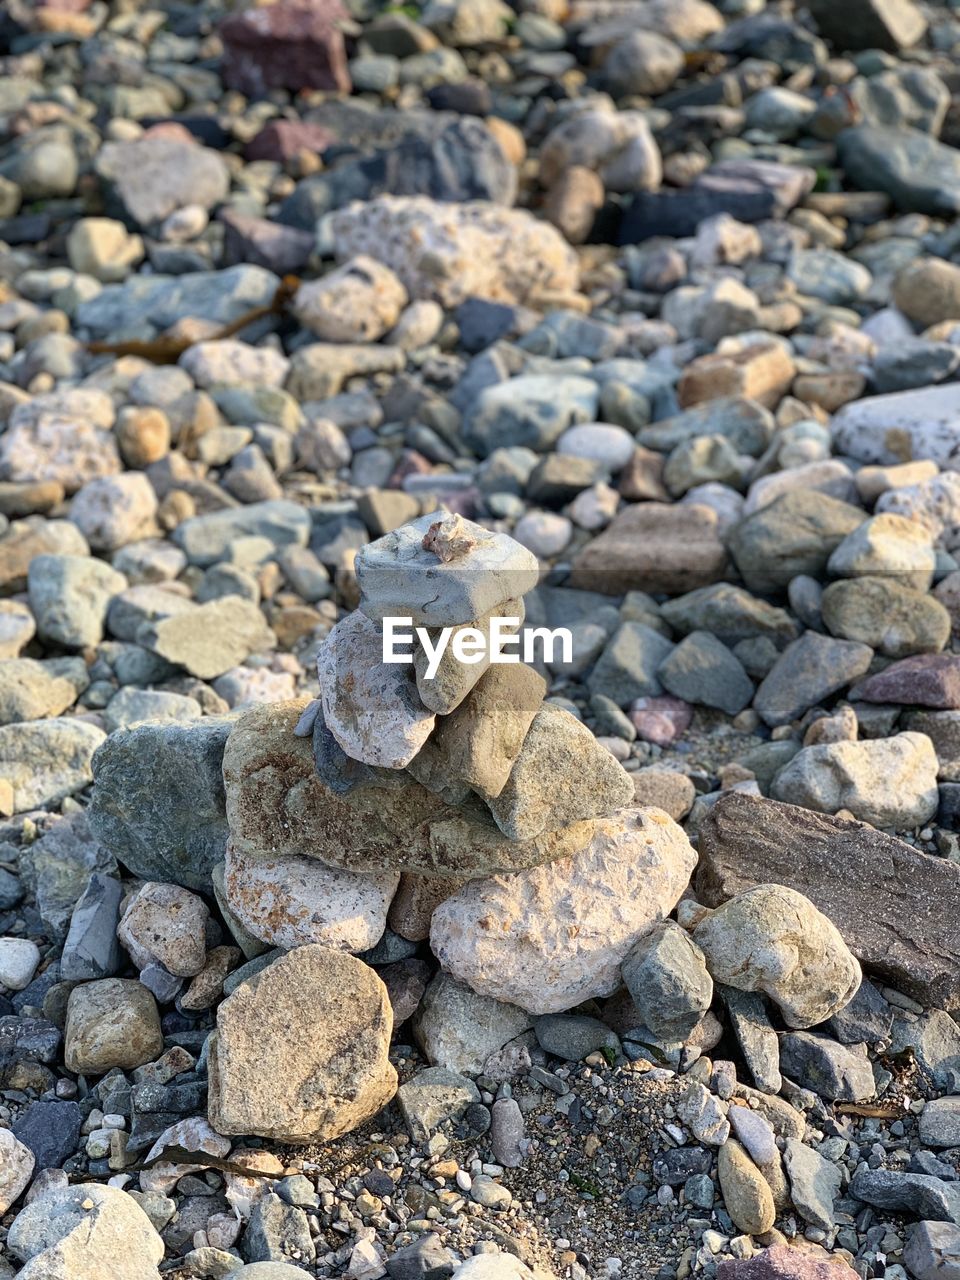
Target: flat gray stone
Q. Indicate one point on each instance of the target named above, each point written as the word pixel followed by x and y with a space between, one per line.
pixel 399 578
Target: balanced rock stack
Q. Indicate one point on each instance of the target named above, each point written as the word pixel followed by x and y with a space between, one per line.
pixel 461 803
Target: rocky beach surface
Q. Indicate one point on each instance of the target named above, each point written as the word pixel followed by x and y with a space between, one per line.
pixel 637 320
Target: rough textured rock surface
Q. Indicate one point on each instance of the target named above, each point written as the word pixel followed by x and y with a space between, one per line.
pixel 550 938
pixel 300 1050
pixel 773 939
pixel 277 806
pixel 159 803
pixel 291 901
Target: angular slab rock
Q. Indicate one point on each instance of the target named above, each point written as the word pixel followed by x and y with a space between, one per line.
pixel 445 690
pixel 781 1262
pixel 158 799
pixel 277 806
pixel 888 782
pixel 459 1029
pixel 667 977
pixel 926 680
pixel 656 547
pixel 550 938
pixel 914 1193
pixel 837 1072
pixel 807 672
pixel 293 901
pixel 300 1053
pixel 370 706
pixel 211 638
pixel 398 577
pixel 773 939
pixel 561 776
pixel 903 925
pixel 478 743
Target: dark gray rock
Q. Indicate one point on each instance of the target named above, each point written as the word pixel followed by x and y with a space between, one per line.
pixel 867 1019
pixel 158 799
pixel 51 1130
pixel 573 1036
pixel 892 25
pixel 914 1193
pixel 277 1232
pixel 704 671
pixel 91 949
pixel 425 1259
pixel 920 174
pixel 628 666
pixel 835 1071
pixel 758 1041
pixel 667 977
pixel 808 671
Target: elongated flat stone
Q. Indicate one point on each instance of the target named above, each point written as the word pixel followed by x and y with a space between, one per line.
pixel 277 805
pixel 399 578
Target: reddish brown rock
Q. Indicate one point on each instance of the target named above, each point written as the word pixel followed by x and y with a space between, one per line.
pixel 281 140
pixel 897 909
pixel 925 680
pixel 656 547
pixel 281 249
pixel 294 44
pixel 785 1263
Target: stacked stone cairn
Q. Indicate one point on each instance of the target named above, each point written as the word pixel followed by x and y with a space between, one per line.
pixel 463 809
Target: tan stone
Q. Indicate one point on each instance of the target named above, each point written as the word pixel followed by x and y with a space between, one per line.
pixel 113 1022
pixel 655 547
pixel 561 775
pixel 762 371
pixel 301 1050
pixel 482 739
pixel 746 1194
pixel 454 679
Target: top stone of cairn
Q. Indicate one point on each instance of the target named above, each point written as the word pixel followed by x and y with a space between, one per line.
pixel 442 571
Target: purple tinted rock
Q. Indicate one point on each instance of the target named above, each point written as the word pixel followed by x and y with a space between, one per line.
pixel 281 140
pixel 926 680
pixel 281 249
pixel 784 1263
pixel 294 44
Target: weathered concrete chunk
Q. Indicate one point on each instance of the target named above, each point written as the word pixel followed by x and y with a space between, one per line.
pixel 550 938
pixel 889 782
pixel 903 926
pixel 289 901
